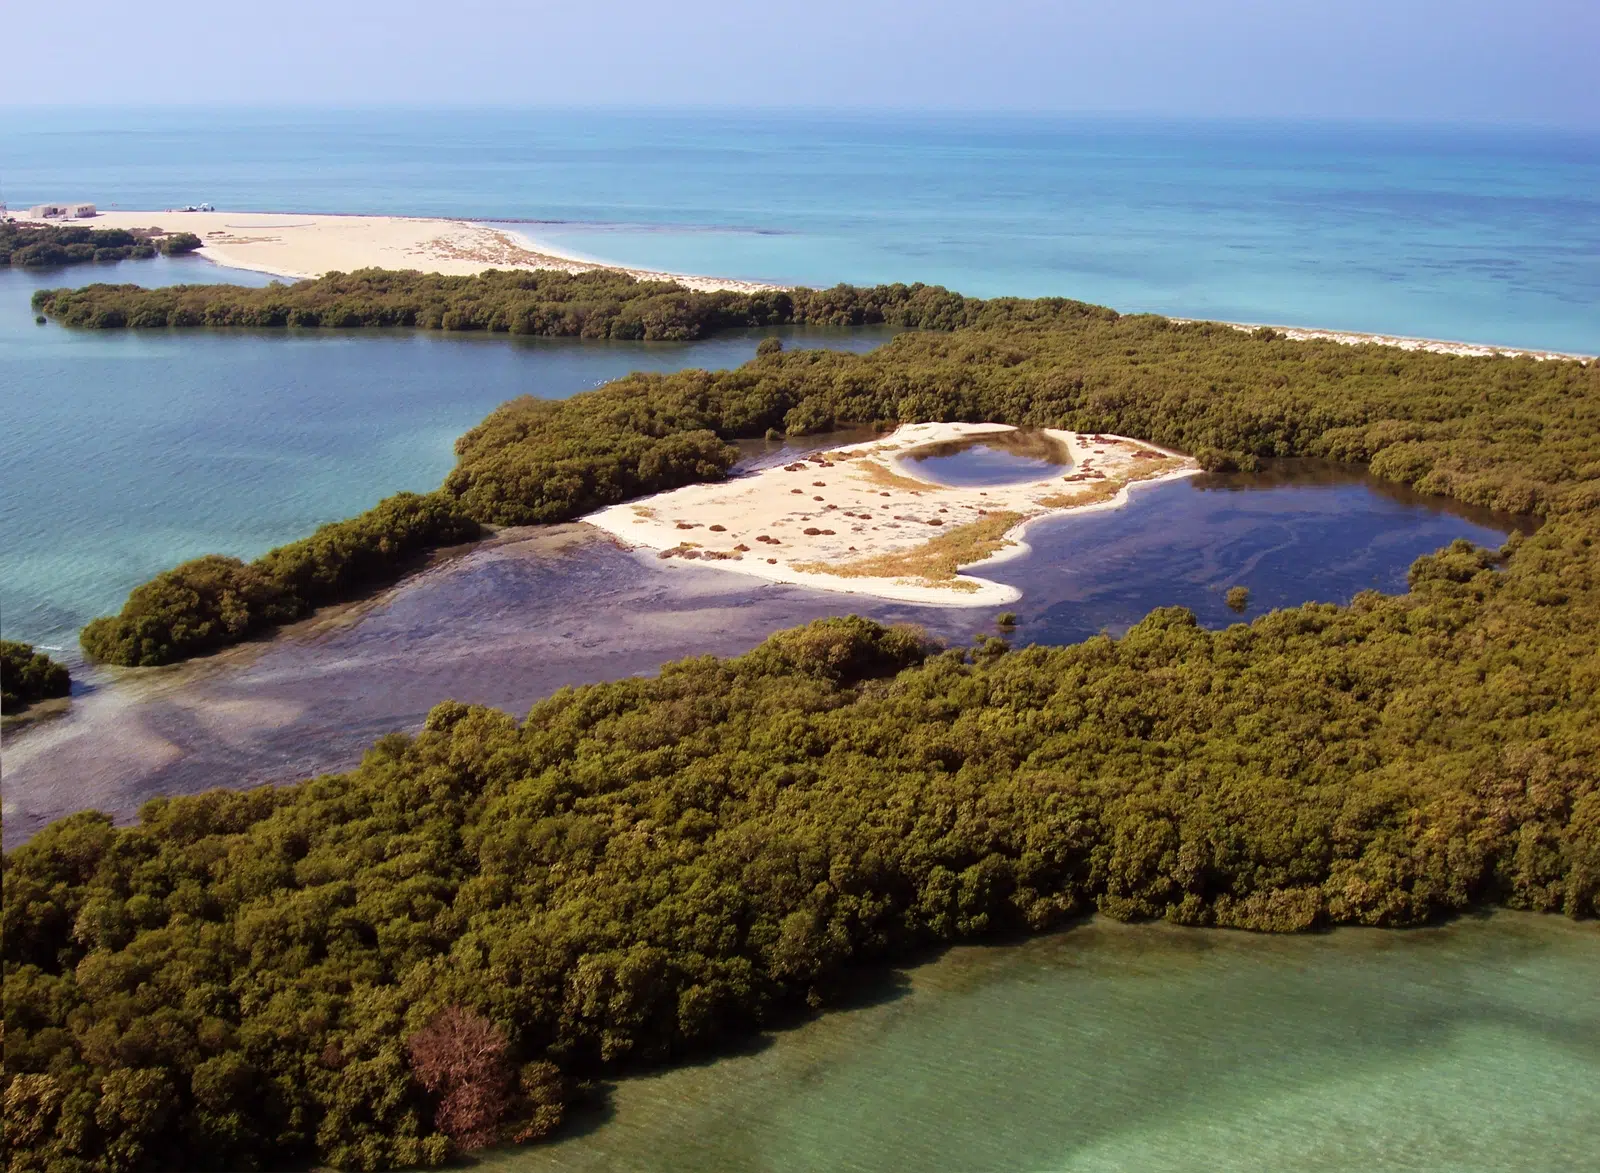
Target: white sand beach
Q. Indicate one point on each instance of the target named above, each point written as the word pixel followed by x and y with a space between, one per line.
pixel 1403 342
pixel 300 246
pixel 859 520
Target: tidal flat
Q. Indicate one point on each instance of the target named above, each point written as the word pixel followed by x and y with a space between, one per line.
pixel 510 621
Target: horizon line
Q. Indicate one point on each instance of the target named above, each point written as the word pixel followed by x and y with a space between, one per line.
pixel 844 113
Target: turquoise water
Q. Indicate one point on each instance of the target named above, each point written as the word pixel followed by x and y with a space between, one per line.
pixel 1489 235
pixel 1470 1048
pixel 125 453
pixel 1473 1048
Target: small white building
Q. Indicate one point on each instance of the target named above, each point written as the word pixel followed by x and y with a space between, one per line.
pixel 61 211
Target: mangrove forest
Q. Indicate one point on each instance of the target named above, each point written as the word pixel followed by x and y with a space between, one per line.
pixel 450 944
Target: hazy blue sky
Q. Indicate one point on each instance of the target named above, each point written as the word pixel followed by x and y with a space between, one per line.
pixel 1495 60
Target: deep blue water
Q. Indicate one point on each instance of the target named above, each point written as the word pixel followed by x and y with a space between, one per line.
pixel 1489 235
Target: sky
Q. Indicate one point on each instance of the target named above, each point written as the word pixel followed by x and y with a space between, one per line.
pixel 1409 60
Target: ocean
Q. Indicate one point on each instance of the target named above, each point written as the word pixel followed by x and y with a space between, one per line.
pixel 126 453
pixel 1478 234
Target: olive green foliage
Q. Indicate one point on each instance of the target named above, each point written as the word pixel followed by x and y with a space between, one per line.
pixel 648 868
pixel 595 304
pixel 214 601
pixel 1238 598
pixel 38 245
pixel 1514 434
pixel 179 243
pixel 27 676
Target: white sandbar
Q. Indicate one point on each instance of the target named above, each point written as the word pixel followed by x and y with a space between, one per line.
pixel 863 501
pixel 302 246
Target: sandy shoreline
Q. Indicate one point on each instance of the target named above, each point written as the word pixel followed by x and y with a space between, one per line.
pixel 305 245
pixel 1401 342
pixel 859 520
pixel 300 246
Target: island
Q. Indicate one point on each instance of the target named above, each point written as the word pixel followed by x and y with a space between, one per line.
pixel 295 245
pixel 863 518
pixel 1221 397
pixel 454 942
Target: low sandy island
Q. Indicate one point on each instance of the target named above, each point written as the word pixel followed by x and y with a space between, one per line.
pixel 297 246
pixel 859 519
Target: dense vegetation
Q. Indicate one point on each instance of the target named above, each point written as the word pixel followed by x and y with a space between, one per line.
pixel 38 245
pixel 213 601
pixel 372 969
pixel 27 676
pixel 596 304
pixel 442 941
pixel 1510 433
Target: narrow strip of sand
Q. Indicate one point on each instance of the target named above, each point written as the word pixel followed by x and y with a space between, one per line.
pixel 860 520
pixel 301 246
pixel 1402 342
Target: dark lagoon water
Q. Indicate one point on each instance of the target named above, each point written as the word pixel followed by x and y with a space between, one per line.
pixel 511 621
pixel 127 452
pixel 1004 458
pixel 1303 531
pixel 1469 1048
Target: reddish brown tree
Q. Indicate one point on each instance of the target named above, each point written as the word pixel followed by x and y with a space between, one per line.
pixel 462 1058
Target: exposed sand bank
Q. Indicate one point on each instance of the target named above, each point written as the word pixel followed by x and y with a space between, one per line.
pixel 1402 342
pixel 299 246
pixel 860 520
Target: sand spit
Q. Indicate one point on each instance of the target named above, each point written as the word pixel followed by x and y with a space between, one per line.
pixel 1402 342
pixel 859 520
pixel 297 246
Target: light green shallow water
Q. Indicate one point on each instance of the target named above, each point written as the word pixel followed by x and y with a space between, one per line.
pixel 1466 1049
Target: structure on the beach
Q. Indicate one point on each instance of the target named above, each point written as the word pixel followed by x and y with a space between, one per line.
pixel 61 211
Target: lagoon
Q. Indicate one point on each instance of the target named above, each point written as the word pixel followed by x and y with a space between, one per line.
pixel 999 458
pixel 1473 1047
pixel 127 452
pixel 514 619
